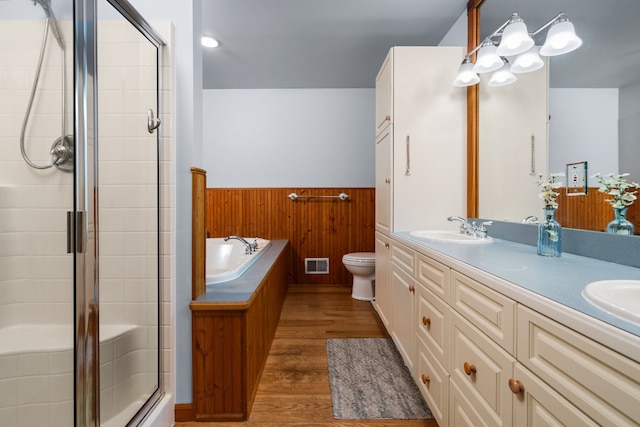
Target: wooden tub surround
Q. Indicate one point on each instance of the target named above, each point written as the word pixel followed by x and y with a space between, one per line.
pixel 232 333
pixel 232 325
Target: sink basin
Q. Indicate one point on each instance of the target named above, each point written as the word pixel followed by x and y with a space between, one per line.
pixel 449 237
pixel 619 297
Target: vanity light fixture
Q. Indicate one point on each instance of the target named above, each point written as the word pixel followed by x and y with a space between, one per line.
pixel 516 41
pixel 503 76
pixel 466 76
pixel 210 42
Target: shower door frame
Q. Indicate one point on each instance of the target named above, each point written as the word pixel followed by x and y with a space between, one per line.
pixel 84 226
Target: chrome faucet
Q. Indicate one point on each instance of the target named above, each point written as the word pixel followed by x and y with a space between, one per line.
pixel 471 229
pixel 531 219
pixel 464 224
pixel 249 247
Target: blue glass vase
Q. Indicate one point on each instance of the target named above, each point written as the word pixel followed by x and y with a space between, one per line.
pixel 620 225
pixel 549 234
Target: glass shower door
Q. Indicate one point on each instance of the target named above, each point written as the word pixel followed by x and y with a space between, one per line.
pixel 128 215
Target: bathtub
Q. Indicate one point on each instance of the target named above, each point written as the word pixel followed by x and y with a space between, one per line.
pixel 227 260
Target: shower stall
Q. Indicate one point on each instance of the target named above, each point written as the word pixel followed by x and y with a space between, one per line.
pixel 81 214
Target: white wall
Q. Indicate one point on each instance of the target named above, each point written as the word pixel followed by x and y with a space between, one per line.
pixel 289 137
pixel 630 131
pixel 583 127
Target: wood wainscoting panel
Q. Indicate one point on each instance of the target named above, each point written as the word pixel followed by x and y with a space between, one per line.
pixel 315 227
pixel 591 211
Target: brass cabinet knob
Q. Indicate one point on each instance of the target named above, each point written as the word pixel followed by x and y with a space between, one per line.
pixel 425 379
pixel 516 386
pixel 386 245
pixel 387 181
pixel 426 321
pixel 412 288
pixel 469 369
pixel 387 118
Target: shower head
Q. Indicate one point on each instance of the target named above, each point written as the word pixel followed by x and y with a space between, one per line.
pixel 46 6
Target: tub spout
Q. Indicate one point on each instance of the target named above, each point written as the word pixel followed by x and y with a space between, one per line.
pixel 249 247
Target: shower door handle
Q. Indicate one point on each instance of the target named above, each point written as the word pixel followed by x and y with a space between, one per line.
pixel 152 122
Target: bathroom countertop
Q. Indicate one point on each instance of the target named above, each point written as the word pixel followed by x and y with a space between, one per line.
pixel 527 276
pixel 240 291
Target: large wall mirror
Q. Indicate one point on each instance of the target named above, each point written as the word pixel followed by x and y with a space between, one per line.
pixel 587 109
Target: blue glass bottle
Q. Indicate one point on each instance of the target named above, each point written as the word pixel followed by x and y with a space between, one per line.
pixel 620 225
pixel 549 234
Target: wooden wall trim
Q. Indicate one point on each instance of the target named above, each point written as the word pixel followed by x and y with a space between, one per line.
pixel 315 228
pixel 184 412
pixel 473 138
pixel 198 231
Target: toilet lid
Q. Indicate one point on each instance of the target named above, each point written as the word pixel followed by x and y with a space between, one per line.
pixel 361 257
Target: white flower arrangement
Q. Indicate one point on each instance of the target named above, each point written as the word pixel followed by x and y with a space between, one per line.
pixel 548 187
pixel 615 185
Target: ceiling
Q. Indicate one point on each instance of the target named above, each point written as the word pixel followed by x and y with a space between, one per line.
pixel 342 43
pixel 315 43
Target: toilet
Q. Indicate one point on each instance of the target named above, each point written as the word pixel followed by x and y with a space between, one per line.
pixel 363 267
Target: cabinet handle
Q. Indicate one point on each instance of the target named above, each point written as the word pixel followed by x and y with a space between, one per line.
pixel 412 288
pixel 425 379
pixel 516 386
pixel 387 118
pixel 386 245
pixel 533 155
pixel 469 369
pixel 387 181
pixel 408 171
pixel 426 321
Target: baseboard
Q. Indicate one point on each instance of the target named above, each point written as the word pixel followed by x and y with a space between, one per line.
pixel 184 412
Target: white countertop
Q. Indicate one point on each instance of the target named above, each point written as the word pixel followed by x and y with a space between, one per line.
pixel 551 286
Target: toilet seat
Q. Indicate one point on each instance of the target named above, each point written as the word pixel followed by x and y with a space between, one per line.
pixel 361 258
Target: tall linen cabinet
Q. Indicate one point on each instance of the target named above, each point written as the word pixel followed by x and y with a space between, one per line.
pixel 420 172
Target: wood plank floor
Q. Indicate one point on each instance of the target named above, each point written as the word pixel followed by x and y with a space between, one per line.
pixel 294 390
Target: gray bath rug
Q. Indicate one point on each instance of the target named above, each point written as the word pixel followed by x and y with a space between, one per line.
pixel 369 380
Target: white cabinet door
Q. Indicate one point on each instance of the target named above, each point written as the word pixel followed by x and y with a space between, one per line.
pixel 402 332
pixel 384 94
pixel 383 180
pixel 429 125
pixel 383 279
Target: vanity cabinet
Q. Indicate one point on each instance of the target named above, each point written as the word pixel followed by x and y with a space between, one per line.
pixel 402 301
pixel 383 181
pixel 382 302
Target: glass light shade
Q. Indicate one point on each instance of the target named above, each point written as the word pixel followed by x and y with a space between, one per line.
pixel 502 77
pixel 561 39
pixel 466 76
pixel 488 60
pixel 515 38
pixel 527 62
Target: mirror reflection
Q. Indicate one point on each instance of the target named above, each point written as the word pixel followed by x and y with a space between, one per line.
pixel 582 107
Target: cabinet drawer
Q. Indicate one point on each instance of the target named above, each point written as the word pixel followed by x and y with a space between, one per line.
pixel 600 382
pixel 432 324
pixel 539 405
pixel 492 312
pixel 433 382
pixel 403 257
pixel 435 276
pixel 481 369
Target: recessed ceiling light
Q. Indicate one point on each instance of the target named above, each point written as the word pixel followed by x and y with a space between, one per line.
pixel 209 42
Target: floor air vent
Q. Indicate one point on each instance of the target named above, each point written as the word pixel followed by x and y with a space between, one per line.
pixel 316 266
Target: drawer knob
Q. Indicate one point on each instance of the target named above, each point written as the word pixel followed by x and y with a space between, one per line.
pixel 469 369
pixel 426 321
pixel 425 379
pixel 386 245
pixel 387 118
pixel 516 386
pixel 412 288
pixel 387 181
